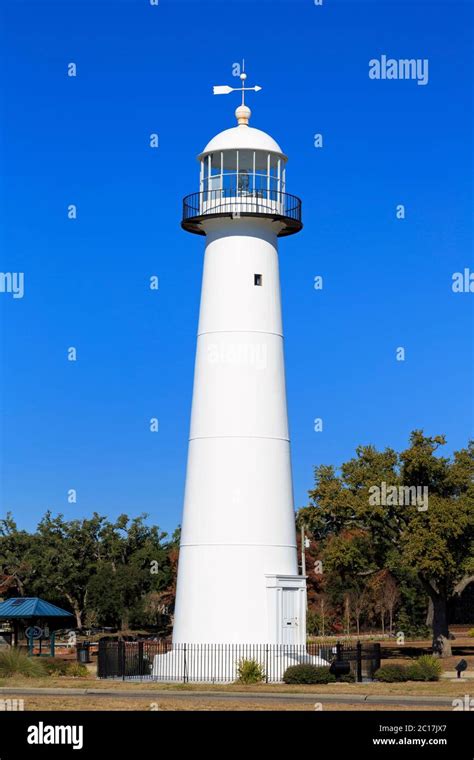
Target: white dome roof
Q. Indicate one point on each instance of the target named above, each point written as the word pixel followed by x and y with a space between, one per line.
pixel 242 137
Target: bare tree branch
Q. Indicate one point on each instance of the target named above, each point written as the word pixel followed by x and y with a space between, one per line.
pixel 461 585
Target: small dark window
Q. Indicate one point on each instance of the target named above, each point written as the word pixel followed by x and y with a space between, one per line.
pixel 257 279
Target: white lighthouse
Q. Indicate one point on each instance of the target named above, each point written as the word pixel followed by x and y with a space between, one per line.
pixel 238 580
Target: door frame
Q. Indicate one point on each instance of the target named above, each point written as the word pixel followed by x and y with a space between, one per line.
pixel 275 585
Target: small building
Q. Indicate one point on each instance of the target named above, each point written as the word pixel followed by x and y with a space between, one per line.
pixel 26 620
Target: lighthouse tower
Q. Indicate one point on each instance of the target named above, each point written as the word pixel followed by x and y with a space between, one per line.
pixel 238 578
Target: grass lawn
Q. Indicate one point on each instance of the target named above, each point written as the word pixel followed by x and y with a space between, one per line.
pixel 34 703
pixel 411 688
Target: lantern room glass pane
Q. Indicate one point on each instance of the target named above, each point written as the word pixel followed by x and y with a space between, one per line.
pixel 246 160
pixel 261 160
pixel 230 160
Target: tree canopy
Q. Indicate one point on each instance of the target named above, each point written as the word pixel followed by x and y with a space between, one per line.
pixel 107 573
pixel 411 513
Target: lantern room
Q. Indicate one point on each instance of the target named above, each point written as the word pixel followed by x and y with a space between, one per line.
pixel 242 173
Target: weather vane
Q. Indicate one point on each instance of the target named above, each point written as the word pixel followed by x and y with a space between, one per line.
pixel 224 89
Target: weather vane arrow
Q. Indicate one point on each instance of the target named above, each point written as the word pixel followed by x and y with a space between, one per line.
pixel 224 89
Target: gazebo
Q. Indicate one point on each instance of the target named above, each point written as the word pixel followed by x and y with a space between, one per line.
pixel 33 618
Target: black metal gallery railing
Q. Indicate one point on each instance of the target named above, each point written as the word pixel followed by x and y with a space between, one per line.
pixel 219 663
pixel 236 202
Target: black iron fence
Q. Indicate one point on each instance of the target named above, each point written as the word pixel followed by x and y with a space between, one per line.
pixel 219 663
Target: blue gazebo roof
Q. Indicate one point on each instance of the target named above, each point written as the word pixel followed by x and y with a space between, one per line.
pixel 30 607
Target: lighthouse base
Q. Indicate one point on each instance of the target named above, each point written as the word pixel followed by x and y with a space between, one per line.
pixel 221 663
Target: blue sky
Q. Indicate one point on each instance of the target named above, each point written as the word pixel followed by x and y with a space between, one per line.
pixel 85 141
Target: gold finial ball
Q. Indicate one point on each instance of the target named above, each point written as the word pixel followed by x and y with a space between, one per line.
pixel 243 114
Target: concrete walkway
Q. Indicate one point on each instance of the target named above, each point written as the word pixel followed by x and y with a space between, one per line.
pixel 215 696
pixel 451 675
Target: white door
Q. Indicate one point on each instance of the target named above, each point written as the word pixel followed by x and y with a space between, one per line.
pixel 290 620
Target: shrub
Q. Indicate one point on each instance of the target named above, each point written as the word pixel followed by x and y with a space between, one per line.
pixel 392 673
pixel 347 678
pixel 14 662
pixel 77 670
pixel 307 673
pixel 412 629
pixel 426 668
pixel 250 671
pixel 54 666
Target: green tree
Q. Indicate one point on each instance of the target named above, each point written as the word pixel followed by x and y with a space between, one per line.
pixel 64 555
pixel 15 546
pixel 134 563
pixel 103 571
pixel 436 544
